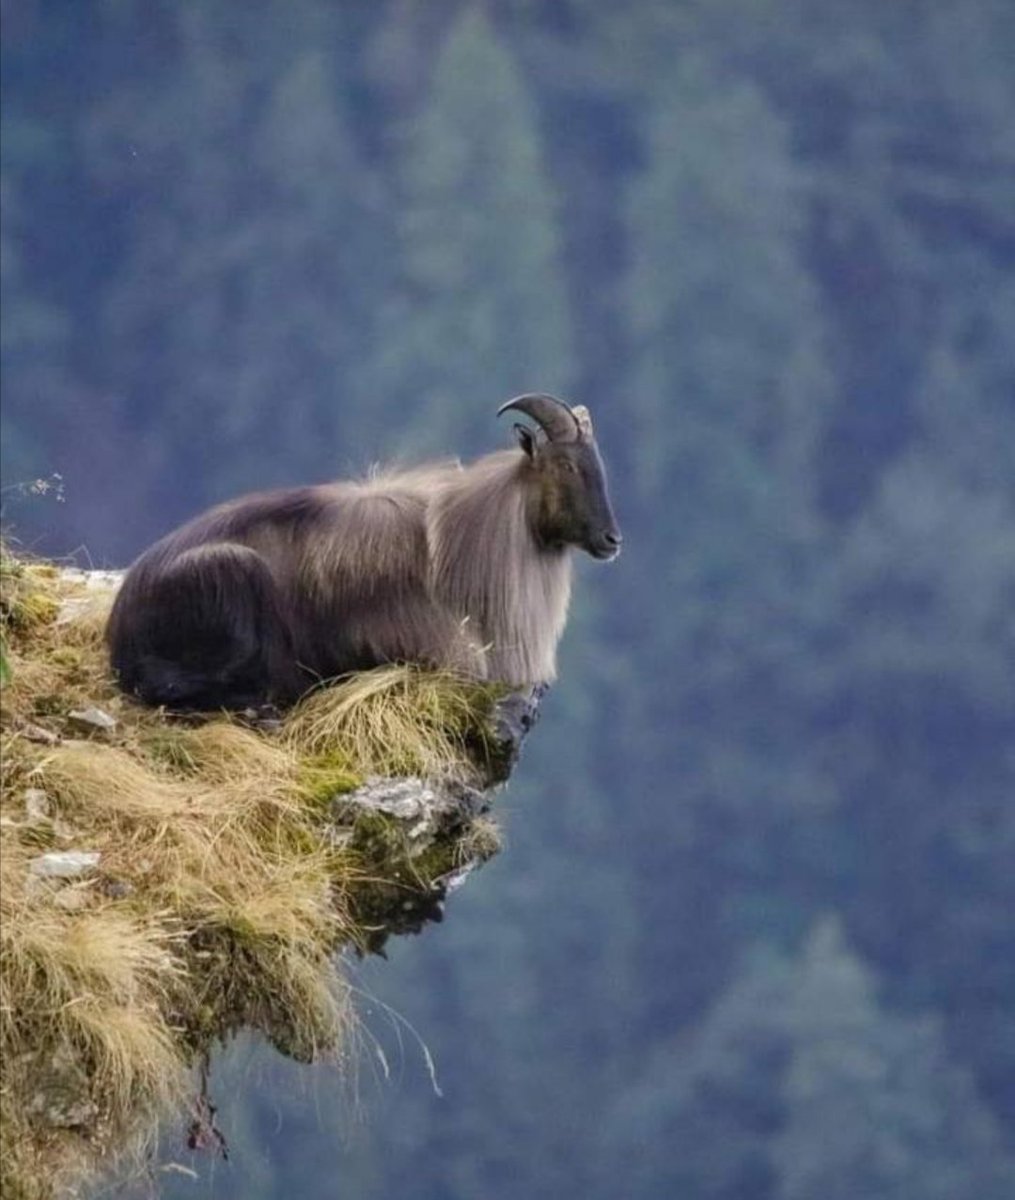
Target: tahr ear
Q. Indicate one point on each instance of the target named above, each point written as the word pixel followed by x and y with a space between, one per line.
pixel 526 439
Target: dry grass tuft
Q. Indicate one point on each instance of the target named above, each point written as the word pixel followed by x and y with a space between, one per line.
pixel 220 892
pixel 396 720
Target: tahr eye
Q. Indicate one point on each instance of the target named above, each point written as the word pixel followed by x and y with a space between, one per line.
pixel 568 467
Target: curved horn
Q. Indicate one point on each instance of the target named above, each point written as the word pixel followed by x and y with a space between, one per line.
pixel 554 416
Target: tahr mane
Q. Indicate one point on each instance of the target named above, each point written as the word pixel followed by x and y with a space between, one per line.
pixel 486 562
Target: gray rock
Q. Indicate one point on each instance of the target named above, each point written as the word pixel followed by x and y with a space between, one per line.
pixel 455 880
pixel 514 716
pixel 37 807
pixel 427 808
pixel 407 798
pixel 64 864
pixel 94 718
pixel 425 837
pixel 61 1097
pixel 93 581
pixel 36 733
pixel 116 889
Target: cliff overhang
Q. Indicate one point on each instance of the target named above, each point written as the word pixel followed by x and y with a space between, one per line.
pixel 167 881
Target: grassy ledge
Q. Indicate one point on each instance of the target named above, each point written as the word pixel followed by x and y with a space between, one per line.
pixel 167 882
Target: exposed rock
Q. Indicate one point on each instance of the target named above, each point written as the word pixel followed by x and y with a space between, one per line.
pixel 418 840
pixel 428 807
pixel 455 880
pixel 98 587
pixel 514 717
pixel 36 733
pixel 93 581
pixel 93 718
pixel 64 864
pixel 61 1097
pixel 116 889
pixel 37 806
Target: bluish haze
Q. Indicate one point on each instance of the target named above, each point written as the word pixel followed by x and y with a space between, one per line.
pixel 752 935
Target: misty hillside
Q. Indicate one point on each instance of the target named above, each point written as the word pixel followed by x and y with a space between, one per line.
pixel 751 937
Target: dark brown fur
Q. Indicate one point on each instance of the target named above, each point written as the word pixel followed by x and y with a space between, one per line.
pixel 463 567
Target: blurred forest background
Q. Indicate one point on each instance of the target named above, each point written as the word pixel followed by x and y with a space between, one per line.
pixel 752 938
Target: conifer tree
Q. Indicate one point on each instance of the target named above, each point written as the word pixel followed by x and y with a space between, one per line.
pixel 727 344
pixel 481 313
pixel 799 1085
pixel 243 299
pixel 873 1105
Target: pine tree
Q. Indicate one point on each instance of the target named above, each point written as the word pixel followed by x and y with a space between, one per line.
pixel 481 313
pixel 799 1085
pixel 874 1107
pixel 243 301
pixel 729 388
pixel 727 343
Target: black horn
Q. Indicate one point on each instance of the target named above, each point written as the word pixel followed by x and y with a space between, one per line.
pixel 555 417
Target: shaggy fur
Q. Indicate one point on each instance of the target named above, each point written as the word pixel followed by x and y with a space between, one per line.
pixel 460 567
pixel 484 562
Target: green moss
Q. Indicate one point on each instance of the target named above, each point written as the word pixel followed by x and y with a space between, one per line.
pixel 402 887
pixel 325 776
pixel 437 861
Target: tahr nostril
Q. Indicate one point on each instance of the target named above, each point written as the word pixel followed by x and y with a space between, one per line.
pixel 614 539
